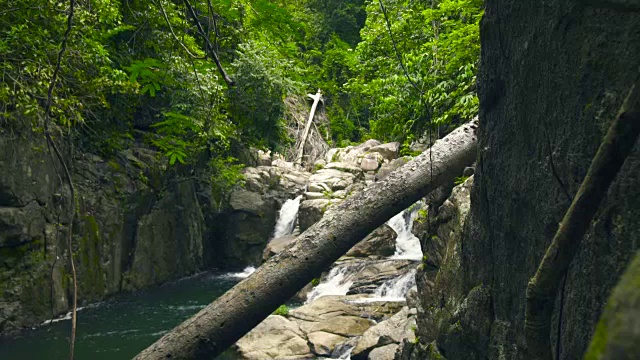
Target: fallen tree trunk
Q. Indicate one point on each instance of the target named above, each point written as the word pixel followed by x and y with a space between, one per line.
pixel 223 322
pixel 543 286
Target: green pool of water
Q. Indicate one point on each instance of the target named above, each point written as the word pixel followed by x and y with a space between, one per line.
pixel 123 326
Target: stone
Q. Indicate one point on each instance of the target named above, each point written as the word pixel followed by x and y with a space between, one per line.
pixel 314 329
pixel 319 164
pixel 369 164
pixel 322 343
pixel 388 168
pixel 387 352
pixel 391 331
pixel 276 245
pixel 382 242
pixel 311 211
pixel 344 167
pixel 274 338
pixel 389 151
pixel 318 187
pixel 313 196
pixel 351 154
pixel 374 273
pixel 246 201
pixel 332 178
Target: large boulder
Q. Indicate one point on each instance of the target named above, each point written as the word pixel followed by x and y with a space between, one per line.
pixel 351 154
pixel 381 242
pixel 331 179
pixel 389 151
pixel 371 162
pixel 374 273
pixel 314 329
pixel 388 332
pixel 276 245
pixel 249 223
pixel 276 337
pixel 311 211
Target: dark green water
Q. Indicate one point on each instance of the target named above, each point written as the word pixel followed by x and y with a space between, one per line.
pixel 121 327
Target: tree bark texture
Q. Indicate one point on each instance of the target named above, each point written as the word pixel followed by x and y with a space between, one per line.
pixel 542 288
pixel 227 319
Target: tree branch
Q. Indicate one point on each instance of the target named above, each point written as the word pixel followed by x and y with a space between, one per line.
pixel 209 45
pixel 166 19
pixel 542 288
pixel 67 174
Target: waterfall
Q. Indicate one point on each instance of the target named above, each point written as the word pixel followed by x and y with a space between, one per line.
pixel 342 351
pixel 287 217
pixel 396 288
pixel 407 244
pixel 338 282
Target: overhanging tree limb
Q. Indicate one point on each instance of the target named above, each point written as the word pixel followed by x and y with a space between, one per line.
pixel 542 288
pixel 208 45
pixel 223 322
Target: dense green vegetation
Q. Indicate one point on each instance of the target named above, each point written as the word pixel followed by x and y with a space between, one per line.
pixel 137 71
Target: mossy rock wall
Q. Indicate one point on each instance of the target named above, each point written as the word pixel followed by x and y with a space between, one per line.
pixel 552 77
pixel 135 228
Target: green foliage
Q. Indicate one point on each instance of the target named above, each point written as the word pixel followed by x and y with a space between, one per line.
pixel 256 102
pixel 315 281
pixel 460 180
pixel 148 73
pixel 423 215
pixel 439 45
pixel 282 310
pixel 226 174
pixel 136 73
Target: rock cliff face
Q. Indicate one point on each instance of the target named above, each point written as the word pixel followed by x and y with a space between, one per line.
pixel 136 226
pixel 133 228
pixel 553 75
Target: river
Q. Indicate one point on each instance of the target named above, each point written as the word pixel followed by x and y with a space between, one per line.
pixel 121 327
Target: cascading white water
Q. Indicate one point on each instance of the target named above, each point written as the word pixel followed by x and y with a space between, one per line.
pixel 396 288
pixel 338 282
pixel 239 275
pixel 287 217
pixel 407 244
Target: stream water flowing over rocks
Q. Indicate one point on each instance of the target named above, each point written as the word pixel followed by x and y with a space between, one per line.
pixel 356 309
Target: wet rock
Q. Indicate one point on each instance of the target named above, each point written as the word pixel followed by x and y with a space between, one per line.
pixel 382 242
pixel 374 273
pixel 276 245
pixel 311 211
pixel 391 331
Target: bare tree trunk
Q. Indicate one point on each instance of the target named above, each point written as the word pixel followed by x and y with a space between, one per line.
pixel 223 322
pixel 316 99
pixel 542 288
